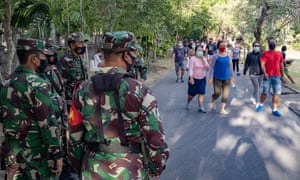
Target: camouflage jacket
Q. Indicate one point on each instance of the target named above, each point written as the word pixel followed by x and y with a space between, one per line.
pixel 72 71
pixel 52 76
pixel 55 79
pixel 141 118
pixel 29 123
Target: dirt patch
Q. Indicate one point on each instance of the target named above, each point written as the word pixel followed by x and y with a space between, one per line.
pixel 156 70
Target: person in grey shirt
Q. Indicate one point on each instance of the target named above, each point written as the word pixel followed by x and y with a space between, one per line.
pixel 179 55
pixel 252 63
pixel 236 51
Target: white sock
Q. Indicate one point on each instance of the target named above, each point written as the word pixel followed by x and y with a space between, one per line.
pixel 275 110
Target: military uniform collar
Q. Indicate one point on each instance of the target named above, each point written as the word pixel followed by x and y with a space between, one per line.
pixel 24 69
pixel 112 70
pixel 72 55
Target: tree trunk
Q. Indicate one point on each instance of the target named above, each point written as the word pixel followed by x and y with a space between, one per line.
pixel 155 47
pixel 259 22
pixel 11 50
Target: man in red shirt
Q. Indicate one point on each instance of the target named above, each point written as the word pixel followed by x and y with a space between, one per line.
pixel 272 66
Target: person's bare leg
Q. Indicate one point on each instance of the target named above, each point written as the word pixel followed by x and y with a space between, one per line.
pixel 223 105
pixel 291 79
pixel 275 101
pixel 263 98
pixel 182 74
pixel 200 100
pixel 189 99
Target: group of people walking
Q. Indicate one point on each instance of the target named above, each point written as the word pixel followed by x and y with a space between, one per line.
pixel 59 123
pixel 214 65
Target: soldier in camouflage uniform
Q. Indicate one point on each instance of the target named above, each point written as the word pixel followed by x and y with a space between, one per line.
pixel 115 129
pixel 32 147
pixel 57 87
pixel 54 76
pixel 71 64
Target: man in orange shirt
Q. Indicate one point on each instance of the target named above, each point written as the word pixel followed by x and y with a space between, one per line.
pixel 272 66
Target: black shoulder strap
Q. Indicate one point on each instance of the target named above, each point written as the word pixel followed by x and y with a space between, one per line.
pixel 53 84
pixel 109 82
pixel 120 119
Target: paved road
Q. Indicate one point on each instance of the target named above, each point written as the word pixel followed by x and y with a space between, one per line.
pixel 242 145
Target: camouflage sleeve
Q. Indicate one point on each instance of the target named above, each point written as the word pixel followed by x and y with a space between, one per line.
pixel 49 128
pixel 63 68
pixel 76 133
pixel 153 131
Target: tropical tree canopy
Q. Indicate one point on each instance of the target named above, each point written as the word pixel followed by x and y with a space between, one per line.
pixel 156 23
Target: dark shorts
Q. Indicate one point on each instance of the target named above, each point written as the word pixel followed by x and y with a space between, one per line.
pixel 179 66
pixel 197 88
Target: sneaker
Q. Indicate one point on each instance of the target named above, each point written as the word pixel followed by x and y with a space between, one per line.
pixel 224 112
pixel 238 74
pixel 276 113
pixel 182 80
pixel 202 110
pixel 212 106
pixel 177 80
pixel 253 100
pixel 188 106
pixel 233 85
pixel 259 108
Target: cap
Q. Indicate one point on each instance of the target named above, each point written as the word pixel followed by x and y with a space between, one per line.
pixel 33 45
pixel 78 37
pixel 51 46
pixel 120 40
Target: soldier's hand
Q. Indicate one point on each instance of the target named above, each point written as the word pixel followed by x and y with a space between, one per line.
pixel 58 168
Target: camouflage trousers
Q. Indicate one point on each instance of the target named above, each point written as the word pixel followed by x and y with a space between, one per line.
pixel 113 166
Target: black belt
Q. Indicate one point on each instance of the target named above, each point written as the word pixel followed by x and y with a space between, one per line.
pixel 115 148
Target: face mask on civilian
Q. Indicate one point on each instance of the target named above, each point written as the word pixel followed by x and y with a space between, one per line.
pixel 256 49
pixel 199 53
pixel 222 49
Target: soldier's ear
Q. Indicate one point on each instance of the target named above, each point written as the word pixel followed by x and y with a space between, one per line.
pixel 34 59
pixel 72 45
pixel 127 57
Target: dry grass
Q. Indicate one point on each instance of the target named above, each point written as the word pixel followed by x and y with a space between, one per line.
pixel 157 70
pixel 294 69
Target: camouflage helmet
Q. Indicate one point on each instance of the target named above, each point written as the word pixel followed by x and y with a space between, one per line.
pixel 77 37
pixel 120 41
pixel 33 45
pixel 51 46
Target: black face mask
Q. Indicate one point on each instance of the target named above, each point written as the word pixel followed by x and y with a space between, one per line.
pixel 129 66
pixel 43 65
pixel 80 50
pixel 53 61
pixel 272 46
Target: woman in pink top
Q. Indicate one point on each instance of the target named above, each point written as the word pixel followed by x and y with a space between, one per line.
pixel 198 67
